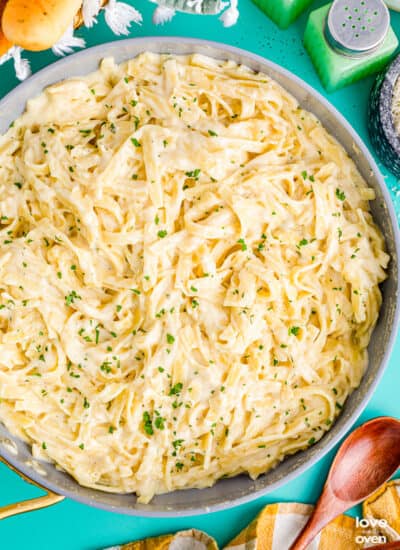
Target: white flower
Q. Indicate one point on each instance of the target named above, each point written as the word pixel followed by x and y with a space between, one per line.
pixel 163 14
pixel 231 15
pixel 67 43
pixel 119 16
pixel 90 9
pixel 21 65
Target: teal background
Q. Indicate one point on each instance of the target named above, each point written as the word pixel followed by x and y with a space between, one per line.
pixel 73 526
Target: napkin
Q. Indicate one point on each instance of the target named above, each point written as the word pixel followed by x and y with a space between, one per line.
pixel 277 526
pixel 191 539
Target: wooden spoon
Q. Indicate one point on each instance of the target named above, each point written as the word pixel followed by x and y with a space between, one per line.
pixel 367 458
pixel 395 545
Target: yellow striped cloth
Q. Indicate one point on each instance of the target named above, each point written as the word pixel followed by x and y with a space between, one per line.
pixel 277 526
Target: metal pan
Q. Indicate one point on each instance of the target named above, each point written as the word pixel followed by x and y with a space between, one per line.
pixel 227 492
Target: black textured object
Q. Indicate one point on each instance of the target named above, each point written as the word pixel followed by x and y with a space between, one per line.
pixel 382 132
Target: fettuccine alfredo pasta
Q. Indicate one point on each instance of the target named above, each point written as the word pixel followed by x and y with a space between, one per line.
pixel 189 275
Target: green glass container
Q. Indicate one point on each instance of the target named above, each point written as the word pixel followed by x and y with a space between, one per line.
pixel 359 45
pixel 283 12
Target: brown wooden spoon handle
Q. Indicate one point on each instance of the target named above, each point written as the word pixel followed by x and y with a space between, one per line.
pixel 388 546
pixel 326 510
pixel 308 534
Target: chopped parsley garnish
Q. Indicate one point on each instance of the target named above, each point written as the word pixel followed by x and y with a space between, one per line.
pixel 311 441
pixel 176 389
pixel 162 233
pixel 193 174
pixel 71 297
pixel 340 194
pixel 170 339
pixel 86 403
pixel 106 367
pixel 159 422
pixel 161 313
pixel 147 423
pixel 243 244
pixel 294 331
pixel 212 133
pixel 18 184
pixel 303 242
pixel 85 132
pixel 135 142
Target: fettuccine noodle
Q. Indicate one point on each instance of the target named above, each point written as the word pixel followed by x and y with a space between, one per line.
pixel 188 271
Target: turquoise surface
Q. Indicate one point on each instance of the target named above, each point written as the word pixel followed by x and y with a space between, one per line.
pixel 72 526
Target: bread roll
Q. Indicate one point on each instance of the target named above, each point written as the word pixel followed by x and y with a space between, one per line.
pixel 37 24
pixel 5 45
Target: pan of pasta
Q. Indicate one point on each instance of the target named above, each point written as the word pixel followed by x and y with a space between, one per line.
pixel 198 277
